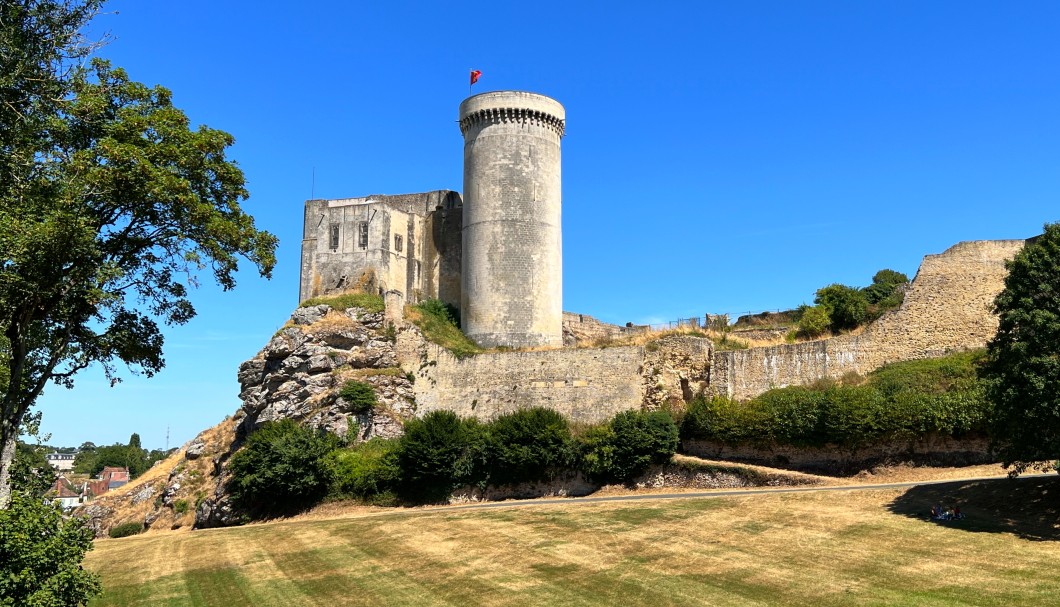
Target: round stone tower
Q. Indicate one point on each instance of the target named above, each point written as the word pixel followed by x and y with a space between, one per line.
pixel 512 272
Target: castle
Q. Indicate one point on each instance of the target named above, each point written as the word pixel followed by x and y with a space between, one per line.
pixel 495 255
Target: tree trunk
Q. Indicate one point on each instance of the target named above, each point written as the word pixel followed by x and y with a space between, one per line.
pixel 8 442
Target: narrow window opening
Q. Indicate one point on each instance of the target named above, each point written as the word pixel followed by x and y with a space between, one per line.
pixel 333 236
pixel 362 238
pixel 397 242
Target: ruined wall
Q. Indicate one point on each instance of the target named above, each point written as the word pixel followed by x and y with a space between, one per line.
pixel 582 329
pixel 586 385
pixel 947 307
pixel 411 244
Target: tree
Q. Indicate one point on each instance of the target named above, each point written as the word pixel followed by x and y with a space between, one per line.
pixel 40 555
pixel 111 206
pixel 846 306
pixel 885 287
pixel 1023 358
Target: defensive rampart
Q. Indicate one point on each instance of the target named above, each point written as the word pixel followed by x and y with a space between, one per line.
pixel 586 385
pixel 948 307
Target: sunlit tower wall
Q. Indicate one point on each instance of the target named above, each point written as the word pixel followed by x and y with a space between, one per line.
pixel 512 273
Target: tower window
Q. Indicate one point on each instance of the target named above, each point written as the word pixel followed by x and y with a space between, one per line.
pixel 397 242
pixel 362 236
pixel 333 236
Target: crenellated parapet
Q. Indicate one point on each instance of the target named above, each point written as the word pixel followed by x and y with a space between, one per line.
pixel 489 116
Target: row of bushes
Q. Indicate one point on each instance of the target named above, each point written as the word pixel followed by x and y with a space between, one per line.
pixel 900 401
pixel 284 467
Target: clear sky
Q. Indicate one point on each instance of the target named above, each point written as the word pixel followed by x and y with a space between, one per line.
pixel 719 156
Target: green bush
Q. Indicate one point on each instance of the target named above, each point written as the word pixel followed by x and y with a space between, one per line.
pixel 900 401
pixel 281 469
pixel 814 321
pixel 126 529
pixel 529 445
pixel 366 471
pixel 41 554
pixel 438 453
pixel 359 395
pixel 847 307
pixel 885 290
pixel 628 445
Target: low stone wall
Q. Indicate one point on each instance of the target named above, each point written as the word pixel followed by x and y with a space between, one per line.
pixel 582 329
pixel 948 307
pixel 586 385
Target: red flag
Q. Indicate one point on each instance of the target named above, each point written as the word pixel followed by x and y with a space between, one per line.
pixel 474 76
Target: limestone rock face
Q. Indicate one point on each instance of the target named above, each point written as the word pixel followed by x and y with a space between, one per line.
pixel 300 372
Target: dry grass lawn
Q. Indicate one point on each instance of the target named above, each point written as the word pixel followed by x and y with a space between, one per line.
pixel 818 548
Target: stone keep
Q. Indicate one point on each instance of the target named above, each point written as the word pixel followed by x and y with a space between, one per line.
pixel 512 274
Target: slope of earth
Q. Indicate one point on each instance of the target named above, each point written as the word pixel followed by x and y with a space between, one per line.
pixel 865 547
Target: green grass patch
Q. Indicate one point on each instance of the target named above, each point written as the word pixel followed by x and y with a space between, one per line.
pixel 439 325
pixel 367 301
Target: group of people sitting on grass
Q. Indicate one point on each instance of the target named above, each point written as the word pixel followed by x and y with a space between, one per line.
pixel 938 513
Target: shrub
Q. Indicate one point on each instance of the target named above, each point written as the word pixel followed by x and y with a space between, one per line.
pixel 625 448
pixel 597 445
pixel 281 469
pixel 439 453
pixel 41 553
pixel 367 470
pixel 814 321
pixel 126 529
pixel 180 507
pixel 847 306
pixel 529 445
pixel 885 289
pixel 359 395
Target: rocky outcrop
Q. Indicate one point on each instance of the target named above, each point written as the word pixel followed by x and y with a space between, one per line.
pixel 299 374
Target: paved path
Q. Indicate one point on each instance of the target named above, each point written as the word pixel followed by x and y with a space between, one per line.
pixel 570 501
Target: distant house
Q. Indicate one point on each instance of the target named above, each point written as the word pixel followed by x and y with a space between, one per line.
pixel 114 476
pixel 66 494
pixel 63 462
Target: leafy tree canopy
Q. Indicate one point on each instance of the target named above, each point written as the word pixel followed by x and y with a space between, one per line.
pixel 847 307
pixel 1023 365
pixel 111 205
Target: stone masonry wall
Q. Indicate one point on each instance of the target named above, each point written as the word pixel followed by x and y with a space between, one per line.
pixel 948 307
pixel 586 385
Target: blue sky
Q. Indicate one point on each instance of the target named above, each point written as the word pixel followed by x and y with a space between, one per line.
pixel 719 157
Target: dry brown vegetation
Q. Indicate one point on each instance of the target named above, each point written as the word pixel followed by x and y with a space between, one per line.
pixel 815 548
pixel 142 498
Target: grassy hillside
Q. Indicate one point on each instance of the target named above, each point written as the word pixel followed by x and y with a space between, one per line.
pixel 821 548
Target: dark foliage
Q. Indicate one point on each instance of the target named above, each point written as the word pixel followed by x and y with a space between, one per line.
pixel 1023 367
pixel 529 445
pixel 281 469
pixel 126 530
pixel 438 453
pixel 628 445
pixel 900 401
pixel 847 307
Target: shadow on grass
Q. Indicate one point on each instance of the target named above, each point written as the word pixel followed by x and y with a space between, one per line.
pixel 1026 507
